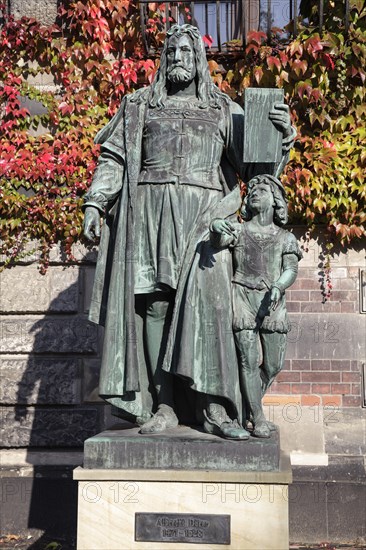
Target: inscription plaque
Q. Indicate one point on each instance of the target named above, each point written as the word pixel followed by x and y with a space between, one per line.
pixel 188 528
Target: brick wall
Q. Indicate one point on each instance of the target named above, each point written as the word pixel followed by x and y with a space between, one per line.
pixel 326 345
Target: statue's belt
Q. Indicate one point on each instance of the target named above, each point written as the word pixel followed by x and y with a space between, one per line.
pixel 258 283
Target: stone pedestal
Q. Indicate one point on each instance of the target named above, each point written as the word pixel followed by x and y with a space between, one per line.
pixel 190 501
pixel 181 448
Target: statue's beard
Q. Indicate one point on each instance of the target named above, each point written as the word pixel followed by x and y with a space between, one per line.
pixel 178 75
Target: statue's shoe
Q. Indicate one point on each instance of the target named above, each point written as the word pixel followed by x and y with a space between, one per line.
pixel 261 429
pixel 271 425
pixel 227 430
pixel 161 421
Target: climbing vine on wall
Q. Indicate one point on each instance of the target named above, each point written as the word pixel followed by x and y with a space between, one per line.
pixel 94 54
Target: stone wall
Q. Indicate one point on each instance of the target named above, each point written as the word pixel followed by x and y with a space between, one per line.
pixel 44 11
pixel 50 355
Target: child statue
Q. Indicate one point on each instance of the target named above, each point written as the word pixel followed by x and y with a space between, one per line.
pixel 265 263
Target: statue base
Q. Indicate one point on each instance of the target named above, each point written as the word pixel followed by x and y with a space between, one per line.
pixel 165 504
pixel 181 448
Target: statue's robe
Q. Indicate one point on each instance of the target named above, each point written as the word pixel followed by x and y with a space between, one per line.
pixel 200 347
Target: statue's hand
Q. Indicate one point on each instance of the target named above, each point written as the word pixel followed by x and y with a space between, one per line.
pixel 91 223
pixel 223 227
pixel 274 298
pixel 280 116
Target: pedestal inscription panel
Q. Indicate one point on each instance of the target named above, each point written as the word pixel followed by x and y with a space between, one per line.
pixel 190 528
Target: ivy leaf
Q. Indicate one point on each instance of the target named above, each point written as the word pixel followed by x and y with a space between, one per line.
pixel 208 40
pixel 314 44
pixel 213 65
pixel 256 36
pixel 296 47
pixel 299 67
pixel 304 88
pixel 258 74
pixel 273 62
pixel 46 158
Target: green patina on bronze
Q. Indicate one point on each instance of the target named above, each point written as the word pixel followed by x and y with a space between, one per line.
pixel 169 165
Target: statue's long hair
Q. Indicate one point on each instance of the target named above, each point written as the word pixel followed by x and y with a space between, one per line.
pixel 280 214
pixel 208 93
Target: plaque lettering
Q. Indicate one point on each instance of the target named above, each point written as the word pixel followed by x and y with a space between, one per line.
pixel 188 528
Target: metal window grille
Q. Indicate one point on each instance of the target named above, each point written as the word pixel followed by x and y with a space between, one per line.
pixel 227 22
pixel 223 21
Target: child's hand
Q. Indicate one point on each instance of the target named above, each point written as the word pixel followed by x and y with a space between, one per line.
pixel 274 298
pixel 223 227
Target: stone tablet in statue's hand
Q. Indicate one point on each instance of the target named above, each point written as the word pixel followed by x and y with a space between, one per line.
pixel 91 223
pixel 223 227
pixel 280 116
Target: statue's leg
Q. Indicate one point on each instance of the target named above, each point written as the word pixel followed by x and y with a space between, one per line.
pixel 159 309
pixel 274 351
pixel 247 343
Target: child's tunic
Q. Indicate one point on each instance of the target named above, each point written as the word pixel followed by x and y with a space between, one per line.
pixel 258 263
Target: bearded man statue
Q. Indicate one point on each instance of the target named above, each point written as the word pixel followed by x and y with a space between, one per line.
pixel 170 161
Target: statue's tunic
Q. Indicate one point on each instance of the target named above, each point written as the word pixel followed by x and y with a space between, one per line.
pixel 179 179
pixel 258 263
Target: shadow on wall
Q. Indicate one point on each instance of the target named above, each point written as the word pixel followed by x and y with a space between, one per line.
pixel 53 416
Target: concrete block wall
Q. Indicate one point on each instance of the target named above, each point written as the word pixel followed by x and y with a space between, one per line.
pixel 49 353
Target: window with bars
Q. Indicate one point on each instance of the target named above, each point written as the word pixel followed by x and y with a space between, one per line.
pixel 225 23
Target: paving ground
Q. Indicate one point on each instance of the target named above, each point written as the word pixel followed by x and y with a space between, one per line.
pixel 29 543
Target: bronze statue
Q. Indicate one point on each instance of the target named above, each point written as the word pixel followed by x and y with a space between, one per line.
pixel 265 263
pixel 169 159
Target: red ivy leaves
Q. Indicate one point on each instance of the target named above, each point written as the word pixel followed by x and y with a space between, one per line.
pixel 208 40
pixel 94 58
